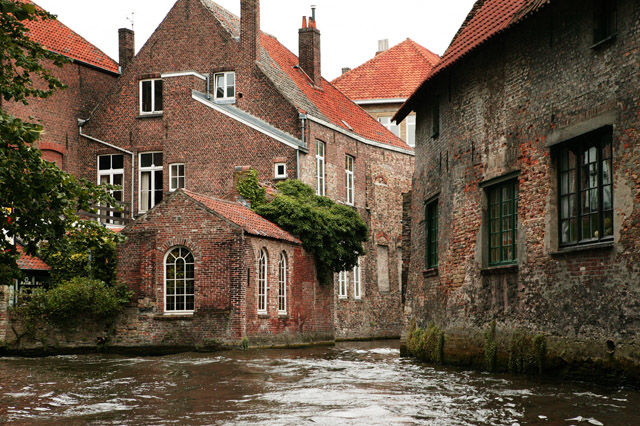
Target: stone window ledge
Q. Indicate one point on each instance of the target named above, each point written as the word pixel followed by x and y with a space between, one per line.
pixel 173 317
pixel 283 316
pixel 263 316
pixel 431 272
pixel 500 269
pixel 154 115
pixel 587 247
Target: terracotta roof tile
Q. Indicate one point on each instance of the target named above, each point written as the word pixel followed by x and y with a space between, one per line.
pixel 328 104
pixel 394 73
pixel 486 19
pixel 57 37
pixel 30 263
pixel 242 216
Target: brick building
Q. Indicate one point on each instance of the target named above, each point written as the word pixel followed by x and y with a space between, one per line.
pixel 383 83
pixel 525 207
pixel 209 91
pixel 205 281
pixel 88 78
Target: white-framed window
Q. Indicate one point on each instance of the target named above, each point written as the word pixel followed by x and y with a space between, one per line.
pixel 343 282
pixel 282 284
pixel 179 281
pixel 176 176
pixel 150 180
pixel 151 96
pixel 320 150
pixel 225 86
pixel 391 125
pixel 356 277
pixel 280 171
pixel 348 170
pixel 262 282
pixel 411 130
pixel 111 170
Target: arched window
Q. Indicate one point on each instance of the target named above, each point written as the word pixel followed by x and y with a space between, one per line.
pixel 262 282
pixel 282 284
pixel 179 280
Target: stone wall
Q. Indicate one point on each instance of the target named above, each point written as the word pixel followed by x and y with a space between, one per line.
pixel 507 108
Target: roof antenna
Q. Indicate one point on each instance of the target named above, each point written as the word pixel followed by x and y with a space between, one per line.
pixel 313 12
pixel 131 20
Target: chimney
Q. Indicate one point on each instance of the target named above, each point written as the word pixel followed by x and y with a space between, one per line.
pixel 345 70
pixel 250 28
pixel 126 47
pixel 382 46
pixel 309 48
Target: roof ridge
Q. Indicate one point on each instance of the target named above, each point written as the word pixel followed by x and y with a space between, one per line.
pixel 424 52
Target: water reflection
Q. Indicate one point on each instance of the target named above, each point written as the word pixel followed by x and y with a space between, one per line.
pixel 349 384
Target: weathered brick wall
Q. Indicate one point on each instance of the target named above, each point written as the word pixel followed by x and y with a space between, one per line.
pixel 4 311
pixel 499 107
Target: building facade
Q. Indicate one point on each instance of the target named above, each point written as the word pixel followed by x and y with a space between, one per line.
pixel 525 209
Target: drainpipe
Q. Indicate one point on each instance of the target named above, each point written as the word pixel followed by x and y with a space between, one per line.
pixel 208 86
pixel 133 158
pixel 303 118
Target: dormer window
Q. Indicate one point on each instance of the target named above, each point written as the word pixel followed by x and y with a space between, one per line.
pixel 225 86
pixel 151 96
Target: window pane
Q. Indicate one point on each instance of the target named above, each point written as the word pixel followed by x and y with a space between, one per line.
pixel 608 224
pixel 146 96
pixel 219 85
pixel 158 95
pixel 117 161
pixel 157 159
pixel 104 162
pixel 146 160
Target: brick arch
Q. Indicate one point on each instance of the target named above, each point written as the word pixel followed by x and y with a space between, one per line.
pixel 182 242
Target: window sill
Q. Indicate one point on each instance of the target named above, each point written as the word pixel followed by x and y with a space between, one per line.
pixel 152 115
pixel 228 101
pixel 280 177
pixel 358 299
pixel 607 245
pixel 283 316
pixel 431 272
pixel 605 40
pixel 174 317
pixel 500 269
pixel 263 315
pixel 343 298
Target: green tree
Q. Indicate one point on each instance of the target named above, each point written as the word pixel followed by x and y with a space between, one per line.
pixel 38 201
pixel 334 233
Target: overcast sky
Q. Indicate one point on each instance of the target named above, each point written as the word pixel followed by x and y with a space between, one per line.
pixel 350 28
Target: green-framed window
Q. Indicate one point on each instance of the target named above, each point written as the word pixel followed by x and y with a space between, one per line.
pixel 585 189
pixel 431 220
pixel 503 222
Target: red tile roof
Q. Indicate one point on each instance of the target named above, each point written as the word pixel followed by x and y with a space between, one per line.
pixel 251 222
pixel 30 263
pixel 327 103
pixel 486 19
pixel 392 74
pixel 57 37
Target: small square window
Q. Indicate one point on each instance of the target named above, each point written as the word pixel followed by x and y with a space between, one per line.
pixel 225 86
pixel 176 172
pixel 280 171
pixel 151 96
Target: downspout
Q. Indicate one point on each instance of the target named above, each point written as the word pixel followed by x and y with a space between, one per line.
pixel 208 86
pixel 303 118
pixel 133 158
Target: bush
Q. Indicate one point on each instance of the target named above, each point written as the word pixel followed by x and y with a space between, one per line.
pixel 78 298
pixel 426 345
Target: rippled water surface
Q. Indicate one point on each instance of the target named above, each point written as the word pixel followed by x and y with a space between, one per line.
pixel 349 384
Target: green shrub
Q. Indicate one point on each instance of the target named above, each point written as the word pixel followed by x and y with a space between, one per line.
pixel 426 345
pixel 490 347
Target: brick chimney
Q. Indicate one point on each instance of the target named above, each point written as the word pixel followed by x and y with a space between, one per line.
pixel 126 47
pixel 250 28
pixel 309 48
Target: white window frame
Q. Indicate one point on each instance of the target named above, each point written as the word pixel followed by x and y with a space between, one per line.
pixel 176 175
pixel 390 125
pixel 282 284
pixel 343 282
pixel 175 278
pixel 152 180
pixel 263 283
pixel 349 179
pixel 277 175
pixel 356 277
pixel 320 167
pixel 153 96
pixel 111 173
pixel 225 79
pixel 411 130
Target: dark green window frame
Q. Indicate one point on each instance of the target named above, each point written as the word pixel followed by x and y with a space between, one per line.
pixel 585 189
pixel 503 222
pixel 431 222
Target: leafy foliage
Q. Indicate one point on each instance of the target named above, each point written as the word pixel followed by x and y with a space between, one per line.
pixel 490 347
pixel 426 345
pixel 88 250
pixel 334 233
pixel 78 298
pixel 250 189
pixel 38 201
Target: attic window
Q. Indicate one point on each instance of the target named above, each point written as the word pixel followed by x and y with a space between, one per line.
pixel 225 86
pixel 151 96
pixel 604 20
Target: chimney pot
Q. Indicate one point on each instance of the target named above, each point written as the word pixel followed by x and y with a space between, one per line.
pixel 126 47
pixel 383 45
pixel 304 22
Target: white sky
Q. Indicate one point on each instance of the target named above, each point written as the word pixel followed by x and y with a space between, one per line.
pixel 350 28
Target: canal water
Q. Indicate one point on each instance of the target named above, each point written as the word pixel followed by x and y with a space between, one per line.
pixel 349 384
